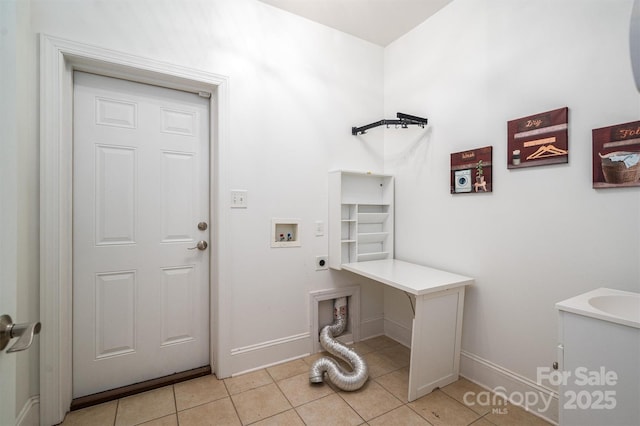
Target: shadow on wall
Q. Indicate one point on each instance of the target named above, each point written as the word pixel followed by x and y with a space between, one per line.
pixel 412 154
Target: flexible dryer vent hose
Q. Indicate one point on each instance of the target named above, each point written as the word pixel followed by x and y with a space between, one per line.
pixel 347 381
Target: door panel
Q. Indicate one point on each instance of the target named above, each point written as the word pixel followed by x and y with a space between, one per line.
pixel 115 194
pixel 178 195
pixel 115 334
pixel 140 188
pixel 178 300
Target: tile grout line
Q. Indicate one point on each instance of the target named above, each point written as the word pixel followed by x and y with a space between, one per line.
pixel 372 379
pixel 175 404
pixel 353 408
pixel 341 394
pixel 202 403
pixel 158 418
pixel 462 405
pixel 116 414
pixel 309 365
pixel 486 419
pixel 414 411
pixel 285 396
pixel 403 403
pixel 233 404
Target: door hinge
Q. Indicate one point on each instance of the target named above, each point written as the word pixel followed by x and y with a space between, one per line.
pixel 206 95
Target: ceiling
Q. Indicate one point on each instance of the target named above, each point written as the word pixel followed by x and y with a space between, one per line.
pixel 377 21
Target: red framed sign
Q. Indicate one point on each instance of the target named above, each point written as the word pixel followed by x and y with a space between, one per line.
pixel 538 139
pixel 616 155
pixel 471 171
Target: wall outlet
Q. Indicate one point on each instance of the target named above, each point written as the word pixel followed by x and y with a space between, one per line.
pixel 322 263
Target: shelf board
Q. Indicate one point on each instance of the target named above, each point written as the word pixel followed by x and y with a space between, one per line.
pixel 373 256
pixel 372 217
pixel 373 237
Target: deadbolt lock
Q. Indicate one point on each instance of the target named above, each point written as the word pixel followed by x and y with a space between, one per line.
pixel 203 226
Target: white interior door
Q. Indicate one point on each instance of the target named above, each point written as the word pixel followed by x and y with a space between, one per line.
pixel 8 202
pixel 140 190
pixel 8 260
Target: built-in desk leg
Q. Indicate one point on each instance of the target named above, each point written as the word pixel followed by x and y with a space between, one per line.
pixel 435 341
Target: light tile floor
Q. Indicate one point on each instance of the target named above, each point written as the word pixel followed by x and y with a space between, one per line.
pixel 282 395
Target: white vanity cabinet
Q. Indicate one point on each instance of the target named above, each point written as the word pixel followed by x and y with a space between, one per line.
pixel 599 358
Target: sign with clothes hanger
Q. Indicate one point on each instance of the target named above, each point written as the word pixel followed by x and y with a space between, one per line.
pixel 616 155
pixel 538 140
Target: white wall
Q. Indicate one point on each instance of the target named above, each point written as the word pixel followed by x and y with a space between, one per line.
pixel 544 234
pixel 296 88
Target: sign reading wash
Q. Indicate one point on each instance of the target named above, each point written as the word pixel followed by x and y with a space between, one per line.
pixel 471 171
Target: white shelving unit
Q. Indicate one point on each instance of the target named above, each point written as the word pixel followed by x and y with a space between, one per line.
pixel 362 203
pixel 361 241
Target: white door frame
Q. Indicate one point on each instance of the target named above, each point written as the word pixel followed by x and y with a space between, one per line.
pixel 58 59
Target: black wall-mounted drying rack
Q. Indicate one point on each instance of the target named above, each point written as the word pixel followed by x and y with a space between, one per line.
pixel 403 121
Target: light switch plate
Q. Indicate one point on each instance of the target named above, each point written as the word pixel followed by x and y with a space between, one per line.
pixel 239 199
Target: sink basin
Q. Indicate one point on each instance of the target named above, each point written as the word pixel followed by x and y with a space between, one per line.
pixel 617 306
pixel 598 340
pixel 624 306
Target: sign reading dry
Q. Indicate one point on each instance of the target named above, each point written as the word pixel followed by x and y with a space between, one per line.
pixel 538 139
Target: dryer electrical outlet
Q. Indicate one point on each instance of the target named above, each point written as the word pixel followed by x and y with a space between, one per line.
pixel 322 263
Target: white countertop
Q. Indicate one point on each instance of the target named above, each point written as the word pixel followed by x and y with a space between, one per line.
pixel 409 277
pixel 618 306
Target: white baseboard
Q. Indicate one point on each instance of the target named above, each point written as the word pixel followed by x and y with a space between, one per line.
pixel 397 332
pixel 516 387
pixel 371 327
pixel 30 413
pixel 272 352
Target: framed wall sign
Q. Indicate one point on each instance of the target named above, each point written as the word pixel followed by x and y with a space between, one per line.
pixel 616 155
pixel 538 139
pixel 471 171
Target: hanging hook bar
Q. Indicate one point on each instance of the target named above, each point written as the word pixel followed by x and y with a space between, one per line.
pixel 404 120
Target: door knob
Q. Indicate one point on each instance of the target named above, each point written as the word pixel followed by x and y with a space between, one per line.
pixel 24 332
pixel 201 245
